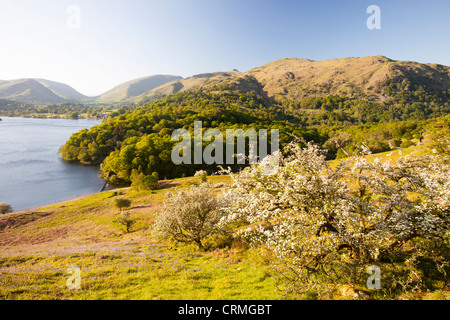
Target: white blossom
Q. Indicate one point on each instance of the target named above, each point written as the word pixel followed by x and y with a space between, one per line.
pixel 334 222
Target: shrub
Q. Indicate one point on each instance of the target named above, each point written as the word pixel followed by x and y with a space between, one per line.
pixel 5 208
pixel 122 203
pixel 324 226
pixel 407 144
pixel 149 182
pixel 378 146
pixel 139 181
pixel 126 220
pixel 202 176
pixel 191 215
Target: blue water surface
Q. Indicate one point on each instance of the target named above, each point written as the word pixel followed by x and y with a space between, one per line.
pixel 32 172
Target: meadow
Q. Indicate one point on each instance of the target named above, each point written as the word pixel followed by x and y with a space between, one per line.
pixel 37 248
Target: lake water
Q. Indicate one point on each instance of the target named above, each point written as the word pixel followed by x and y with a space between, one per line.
pixel 31 171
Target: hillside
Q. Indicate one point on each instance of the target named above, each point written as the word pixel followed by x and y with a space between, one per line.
pixel 370 78
pixel 39 91
pixel 133 88
pixel 62 90
pixel 38 246
pixel 181 85
pixel 385 108
pixel 28 90
pixel 289 81
pixel 114 264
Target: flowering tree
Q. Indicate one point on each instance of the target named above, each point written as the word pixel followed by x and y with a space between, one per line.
pixel 325 225
pixel 191 215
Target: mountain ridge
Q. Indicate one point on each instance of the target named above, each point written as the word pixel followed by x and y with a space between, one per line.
pixel 27 90
pixel 294 79
pixel 376 78
pixel 180 85
pixel 135 87
pixel 63 90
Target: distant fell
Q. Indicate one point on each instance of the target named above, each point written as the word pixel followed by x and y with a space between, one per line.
pixel 136 87
pixel 62 90
pixel 181 85
pixel 27 90
pixel 39 91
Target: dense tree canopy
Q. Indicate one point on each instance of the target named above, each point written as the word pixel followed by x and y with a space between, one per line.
pixel 139 138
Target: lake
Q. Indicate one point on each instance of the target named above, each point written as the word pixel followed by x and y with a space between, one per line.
pixel 32 172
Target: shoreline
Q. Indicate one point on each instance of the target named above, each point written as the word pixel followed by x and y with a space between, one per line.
pixel 55 203
pixel 36 208
pixel 50 118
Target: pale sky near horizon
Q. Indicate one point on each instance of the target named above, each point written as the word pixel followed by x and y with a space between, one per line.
pixel 122 40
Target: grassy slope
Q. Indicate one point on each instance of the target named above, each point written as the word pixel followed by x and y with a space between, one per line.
pixel 36 248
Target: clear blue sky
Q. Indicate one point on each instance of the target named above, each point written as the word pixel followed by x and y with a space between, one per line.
pixel 122 40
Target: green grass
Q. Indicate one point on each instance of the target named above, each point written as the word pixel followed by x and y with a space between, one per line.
pixel 36 248
pixel 393 155
pixel 141 272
